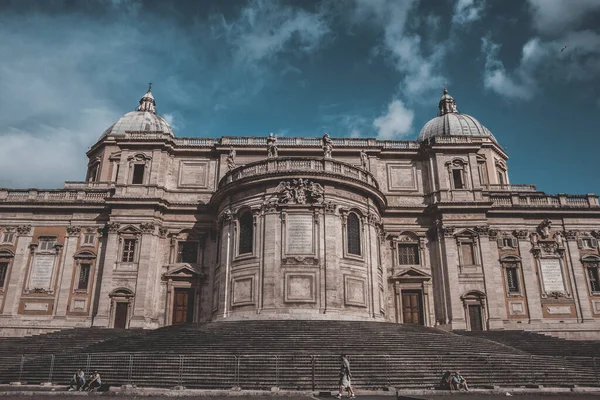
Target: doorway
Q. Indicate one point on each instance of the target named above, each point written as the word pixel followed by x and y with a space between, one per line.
pixel 412 307
pixel 183 306
pixel 475 317
pixel 121 314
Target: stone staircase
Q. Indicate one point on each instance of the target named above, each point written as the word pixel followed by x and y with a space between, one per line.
pixel 539 344
pixel 301 355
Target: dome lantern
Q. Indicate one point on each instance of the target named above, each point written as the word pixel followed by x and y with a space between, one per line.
pixel 147 102
pixel 447 104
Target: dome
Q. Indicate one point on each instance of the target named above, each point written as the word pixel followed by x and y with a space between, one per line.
pixel 144 119
pixel 452 123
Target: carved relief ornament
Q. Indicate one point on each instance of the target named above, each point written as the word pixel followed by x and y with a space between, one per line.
pixel 300 260
pixel 521 234
pixel 163 231
pixel 23 229
pixel 147 227
pixel 73 230
pixel 300 191
pixel 482 230
pixel 493 233
pixel 571 235
pixel 113 227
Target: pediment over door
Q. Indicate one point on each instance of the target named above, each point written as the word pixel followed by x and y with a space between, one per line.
pixel 411 275
pixel 181 271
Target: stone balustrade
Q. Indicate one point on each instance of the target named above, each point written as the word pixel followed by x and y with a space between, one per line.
pixel 292 165
pixel 88 185
pixel 540 199
pixel 53 196
pixel 511 188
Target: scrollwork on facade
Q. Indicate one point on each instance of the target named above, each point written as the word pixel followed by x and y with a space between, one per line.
pixel 373 218
pixel 570 235
pixel 269 206
pixel 300 191
pixel 329 207
pixel 447 231
pixel 493 233
pixel 23 229
pixel 521 234
pixel 595 234
pixel 557 294
pixel 300 260
pixel 147 227
pixel 73 230
pixel 163 231
pixel 482 230
pixel 113 227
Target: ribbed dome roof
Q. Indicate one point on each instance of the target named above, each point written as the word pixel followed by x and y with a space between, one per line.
pixel 451 123
pixel 144 119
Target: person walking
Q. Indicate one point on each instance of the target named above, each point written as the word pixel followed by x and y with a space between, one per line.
pixel 345 378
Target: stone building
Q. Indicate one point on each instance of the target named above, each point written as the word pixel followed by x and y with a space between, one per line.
pixel 168 230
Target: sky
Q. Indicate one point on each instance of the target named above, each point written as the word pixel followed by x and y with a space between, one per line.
pixel 359 68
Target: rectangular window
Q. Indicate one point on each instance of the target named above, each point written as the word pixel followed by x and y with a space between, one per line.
pixel 8 237
pixel 467 253
pixel 3 272
pixel 457 177
pixel 187 252
pixel 128 250
pixel 84 276
pixel 138 174
pixel 408 254
pixel 592 270
pixel 47 243
pixel 500 178
pixel 512 279
pixel 483 176
pixel 89 239
pixel 117 173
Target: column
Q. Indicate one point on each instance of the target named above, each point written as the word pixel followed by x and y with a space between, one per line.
pixel 146 278
pixel 579 278
pixel 106 262
pixel 455 309
pixel 18 272
pixel 530 274
pixel 494 288
pixel 64 289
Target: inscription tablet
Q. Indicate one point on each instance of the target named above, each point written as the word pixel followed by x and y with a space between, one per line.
pixel 300 234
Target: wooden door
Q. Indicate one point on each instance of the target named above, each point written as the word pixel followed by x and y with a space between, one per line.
pixel 183 306
pixel 121 315
pixel 412 308
pixel 475 317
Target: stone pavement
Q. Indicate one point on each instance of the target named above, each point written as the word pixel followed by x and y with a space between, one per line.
pixel 31 392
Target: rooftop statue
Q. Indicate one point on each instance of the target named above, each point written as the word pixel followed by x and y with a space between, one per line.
pixel 364 160
pixel 231 159
pixel 271 146
pixel 327 146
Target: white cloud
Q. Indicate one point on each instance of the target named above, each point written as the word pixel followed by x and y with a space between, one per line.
pixel 396 123
pixel 266 29
pixel 497 79
pixel 540 59
pixel 467 11
pixel 420 68
pixel 553 17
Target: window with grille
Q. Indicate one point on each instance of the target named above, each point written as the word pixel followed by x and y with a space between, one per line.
pixel 592 270
pixel 588 243
pixel 353 234
pixel 512 279
pixel 468 255
pixel 128 250
pixel 408 254
pixel 138 174
pixel 187 252
pixel 84 276
pixel 246 233
pixel 508 242
pixel 47 243
pixel 8 237
pixel 457 176
pixel 3 272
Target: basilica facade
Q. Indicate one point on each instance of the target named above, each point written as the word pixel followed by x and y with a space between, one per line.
pixel 167 230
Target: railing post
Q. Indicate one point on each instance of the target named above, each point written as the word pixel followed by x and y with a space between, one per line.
pixel 51 368
pixel 595 369
pixel 277 371
pixel 387 371
pixel 489 362
pixel 312 360
pixel 130 370
pixel 21 368
pixel 180 370
pixel 87 364
pixel 532 370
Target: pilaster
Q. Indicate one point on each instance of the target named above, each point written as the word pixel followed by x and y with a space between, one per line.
pixel 530 277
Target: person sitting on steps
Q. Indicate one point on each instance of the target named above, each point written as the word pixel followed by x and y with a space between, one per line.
pixel 459 382
pixel 95 382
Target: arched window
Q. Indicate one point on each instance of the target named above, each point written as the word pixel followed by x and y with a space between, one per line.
pixel 246 233
pixel 353 234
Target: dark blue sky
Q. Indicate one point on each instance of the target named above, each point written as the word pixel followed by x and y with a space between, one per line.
pixel 369 68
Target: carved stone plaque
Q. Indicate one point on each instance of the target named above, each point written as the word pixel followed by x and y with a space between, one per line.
pixel 41 274
pixel 192 174
pixel 552 276
pixel 300 233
